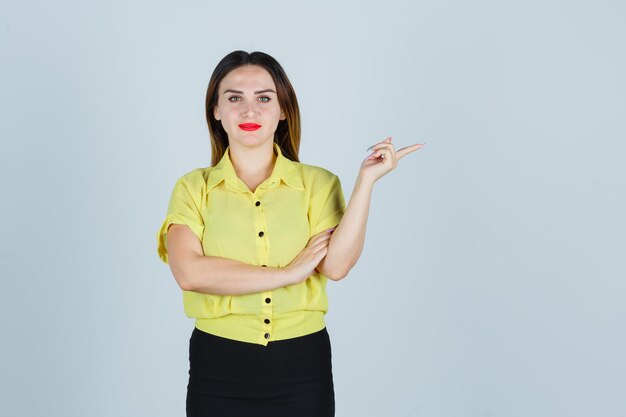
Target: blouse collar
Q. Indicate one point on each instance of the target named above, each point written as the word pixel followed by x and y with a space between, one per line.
pixel 284 169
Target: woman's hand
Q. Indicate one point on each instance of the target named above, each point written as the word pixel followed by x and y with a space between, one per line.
pixel 383 159
pixel 303 265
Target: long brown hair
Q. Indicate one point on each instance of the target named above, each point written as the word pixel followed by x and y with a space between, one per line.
pixel 287 134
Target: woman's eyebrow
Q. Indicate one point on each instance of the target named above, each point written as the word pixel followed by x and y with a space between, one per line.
pixel 256 92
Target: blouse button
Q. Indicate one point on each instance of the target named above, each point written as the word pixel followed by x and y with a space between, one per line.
pixel 261 233
pixel 258 203
pixel 267 335
pixel 268 300
pixel 267 321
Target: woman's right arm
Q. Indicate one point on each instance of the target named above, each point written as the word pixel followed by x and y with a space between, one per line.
pixel 196 272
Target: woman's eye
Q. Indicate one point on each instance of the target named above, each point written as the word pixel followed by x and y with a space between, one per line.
pixel 263 99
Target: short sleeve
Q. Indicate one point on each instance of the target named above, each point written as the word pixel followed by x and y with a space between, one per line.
pixel 183 208
pixel 332 206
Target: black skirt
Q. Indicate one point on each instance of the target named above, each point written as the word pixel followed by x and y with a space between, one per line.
pixel 229 378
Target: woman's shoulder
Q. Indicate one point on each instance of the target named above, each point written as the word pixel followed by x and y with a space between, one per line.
pixel 314 173
pixel 195 177
pixel 194 181
pixel 318 180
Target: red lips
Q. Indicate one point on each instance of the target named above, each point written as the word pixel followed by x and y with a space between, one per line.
pixel 249 126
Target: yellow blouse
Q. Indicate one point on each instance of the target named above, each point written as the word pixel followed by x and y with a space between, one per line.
pixel 269 226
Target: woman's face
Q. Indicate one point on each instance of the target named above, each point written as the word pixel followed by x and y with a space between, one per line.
pixel 247 98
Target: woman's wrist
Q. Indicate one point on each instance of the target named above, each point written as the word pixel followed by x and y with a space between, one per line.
pixel 284 276
pixel 363 181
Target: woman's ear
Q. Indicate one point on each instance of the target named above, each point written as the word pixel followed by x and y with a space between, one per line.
pixel 282 116
pixel 216 113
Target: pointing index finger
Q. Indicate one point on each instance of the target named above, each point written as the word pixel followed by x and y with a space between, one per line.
pixel 408 149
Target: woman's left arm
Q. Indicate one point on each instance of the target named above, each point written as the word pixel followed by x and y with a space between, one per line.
pixel 346 243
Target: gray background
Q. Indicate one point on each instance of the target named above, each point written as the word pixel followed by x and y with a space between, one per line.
pixel 491 282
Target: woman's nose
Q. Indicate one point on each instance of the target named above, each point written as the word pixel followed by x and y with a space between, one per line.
pixel 249 109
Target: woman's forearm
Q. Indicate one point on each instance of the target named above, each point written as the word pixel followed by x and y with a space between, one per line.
pixel 346 243
pixel 224 276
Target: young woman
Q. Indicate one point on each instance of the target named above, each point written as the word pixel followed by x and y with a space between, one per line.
pixel 251 241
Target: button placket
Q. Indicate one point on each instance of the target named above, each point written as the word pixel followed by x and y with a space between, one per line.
pixel 265 322
pixel 266 296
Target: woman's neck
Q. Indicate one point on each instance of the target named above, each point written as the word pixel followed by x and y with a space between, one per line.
pixel 253 162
